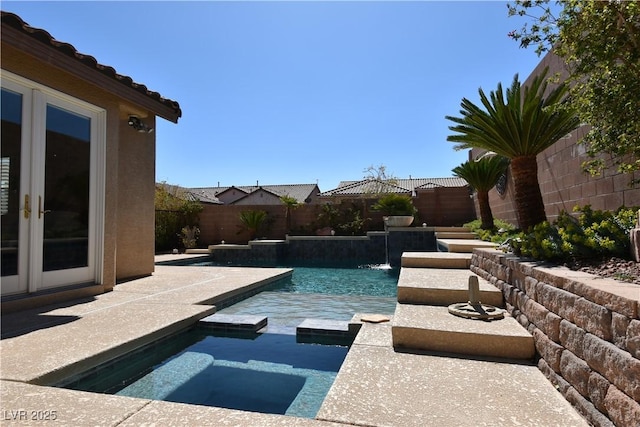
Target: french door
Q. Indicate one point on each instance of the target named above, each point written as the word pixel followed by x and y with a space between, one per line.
pixel 51 188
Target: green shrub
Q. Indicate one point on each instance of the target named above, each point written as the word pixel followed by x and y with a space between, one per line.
pixel 345 219
pixel 189 236
pixel 499 234
pixel 252 222
pixel 174 210
pixel 395 204
pixel 592 234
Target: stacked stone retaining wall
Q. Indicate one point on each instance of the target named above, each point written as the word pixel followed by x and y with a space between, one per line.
pixel 586 331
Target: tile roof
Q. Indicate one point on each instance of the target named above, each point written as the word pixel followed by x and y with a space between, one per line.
pixel 186 193
pixel 425 183
pixel 366 186
pixel 398 185
pixel 300 192
pixel 14 21
pixel 204 198
pixel 207 194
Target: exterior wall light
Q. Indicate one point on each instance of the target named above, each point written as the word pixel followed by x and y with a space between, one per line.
pixel 137 124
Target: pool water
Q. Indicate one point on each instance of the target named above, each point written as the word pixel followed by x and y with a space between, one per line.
pixel 268 372
pixel 344 281
pixel 322 293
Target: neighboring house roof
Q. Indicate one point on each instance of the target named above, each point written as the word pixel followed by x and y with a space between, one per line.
pixel 187 194
pixel 258 197
pixel 427 183
pixel 229 195
pixel 204 198
pixel 366 186
pixel 83 66
pixel 400 186
pixel 301 192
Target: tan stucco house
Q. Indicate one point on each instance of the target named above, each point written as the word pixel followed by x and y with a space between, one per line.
pixel 77 169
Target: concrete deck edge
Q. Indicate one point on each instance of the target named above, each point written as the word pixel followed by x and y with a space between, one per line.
pixel 79 367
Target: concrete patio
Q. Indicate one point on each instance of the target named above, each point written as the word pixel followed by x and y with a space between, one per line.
pixel 376 386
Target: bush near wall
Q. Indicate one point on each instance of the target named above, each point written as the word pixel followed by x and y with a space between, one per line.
pixel 593 234
pixel 174 210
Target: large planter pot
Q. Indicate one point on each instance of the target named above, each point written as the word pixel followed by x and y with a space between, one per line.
pixel 398 220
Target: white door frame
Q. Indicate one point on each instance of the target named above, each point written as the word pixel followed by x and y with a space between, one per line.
pixel 31 277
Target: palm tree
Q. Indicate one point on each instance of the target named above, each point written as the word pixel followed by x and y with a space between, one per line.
pixel 518 129
pixel 252 221
pixel 482 175
pixel 290 203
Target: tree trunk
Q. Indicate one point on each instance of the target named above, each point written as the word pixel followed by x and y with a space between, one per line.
pixel 287 219
pixel 526 190
pixel 486 216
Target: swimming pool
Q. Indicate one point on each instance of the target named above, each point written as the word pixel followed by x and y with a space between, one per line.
pixel 268 372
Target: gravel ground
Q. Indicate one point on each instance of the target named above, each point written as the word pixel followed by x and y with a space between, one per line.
pixel 613 268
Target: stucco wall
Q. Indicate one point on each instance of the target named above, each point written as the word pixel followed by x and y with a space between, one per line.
pixel 562 182
pixel 259 197
pixel 586 331
pixel 129 165
pixel 136 209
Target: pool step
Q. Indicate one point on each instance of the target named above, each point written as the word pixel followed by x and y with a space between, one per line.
pixel 436 260
pixel 464 245
pixel 442 286
pixel 455 235
pixel 323 326
pixel 325 331
pixel 432 328
pixel 439 229
pixel 234 322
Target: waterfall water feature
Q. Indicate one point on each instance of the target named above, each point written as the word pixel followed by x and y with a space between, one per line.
pixel 386 265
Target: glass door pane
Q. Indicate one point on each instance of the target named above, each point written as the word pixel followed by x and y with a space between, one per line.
pixel 10 158
pixel 65 204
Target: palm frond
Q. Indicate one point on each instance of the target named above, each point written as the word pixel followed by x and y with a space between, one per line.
pixel 482 174
pixel 518 122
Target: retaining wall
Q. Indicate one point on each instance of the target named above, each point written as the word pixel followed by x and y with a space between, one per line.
pixel 586 331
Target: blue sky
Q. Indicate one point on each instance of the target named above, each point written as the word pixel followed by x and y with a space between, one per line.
pixel 298 92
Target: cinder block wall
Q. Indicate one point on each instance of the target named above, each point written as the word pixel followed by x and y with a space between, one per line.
pixel 586 332
pixel 222 222
pixel 564 185
pixel 437 207
pixel 444 207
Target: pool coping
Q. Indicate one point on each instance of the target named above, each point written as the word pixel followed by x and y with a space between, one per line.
pixel 96 330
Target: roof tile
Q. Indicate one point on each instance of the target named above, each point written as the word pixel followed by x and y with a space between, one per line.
pixel 401 186
pixel 43 36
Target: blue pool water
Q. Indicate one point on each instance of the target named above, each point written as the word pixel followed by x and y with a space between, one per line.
pixel 322 293
pixel 344 281
pixel 268 372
